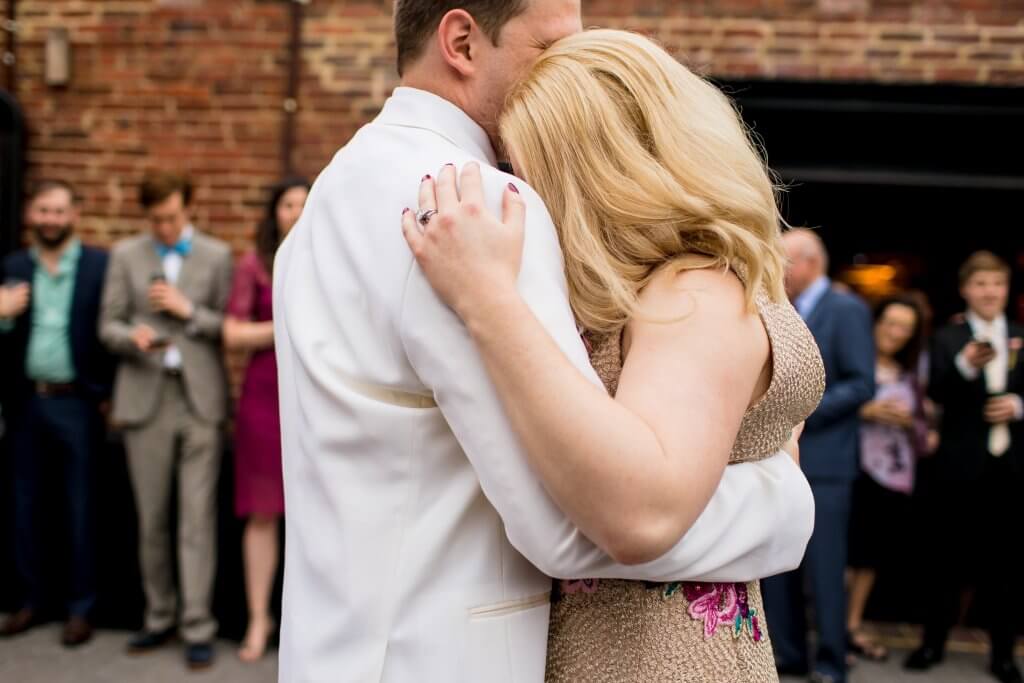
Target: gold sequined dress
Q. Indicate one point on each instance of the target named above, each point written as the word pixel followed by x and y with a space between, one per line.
pixel 613 631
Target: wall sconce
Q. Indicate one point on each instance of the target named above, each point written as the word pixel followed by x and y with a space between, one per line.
pixel 57 71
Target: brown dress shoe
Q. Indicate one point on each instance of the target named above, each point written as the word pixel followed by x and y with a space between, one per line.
pixel 77 631
pixel 18 623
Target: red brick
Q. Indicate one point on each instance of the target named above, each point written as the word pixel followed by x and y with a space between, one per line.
pixel 199 83
pixel 958 75
pixel 1013 77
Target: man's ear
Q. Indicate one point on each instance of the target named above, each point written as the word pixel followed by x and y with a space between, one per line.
pixel 456 36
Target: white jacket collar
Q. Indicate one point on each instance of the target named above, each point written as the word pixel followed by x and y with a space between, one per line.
pixel 414 108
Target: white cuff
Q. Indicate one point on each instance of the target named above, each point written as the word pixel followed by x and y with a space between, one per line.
pixel 967 371
pixel 1018 407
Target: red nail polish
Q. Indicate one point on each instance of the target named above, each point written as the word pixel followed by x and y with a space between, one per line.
pixel 426 178
pixel 405 211
pixel 513 188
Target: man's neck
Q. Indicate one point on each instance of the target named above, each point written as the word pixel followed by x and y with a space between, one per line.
pixel 421 79
pixel 50 255
pixel 807 287
pixel 185 233
pixel 989 320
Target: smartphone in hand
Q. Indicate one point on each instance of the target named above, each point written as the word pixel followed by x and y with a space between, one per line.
pixel 985 345
pixel 159 342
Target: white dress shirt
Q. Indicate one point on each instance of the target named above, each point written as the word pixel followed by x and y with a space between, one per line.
pixel 809 299
pixel 997 372
pixel 172 263
pixel 420 543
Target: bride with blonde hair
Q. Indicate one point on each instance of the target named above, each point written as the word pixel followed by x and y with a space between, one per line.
pixel 671 236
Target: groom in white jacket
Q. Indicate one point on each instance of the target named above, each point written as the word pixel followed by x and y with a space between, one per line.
pixel 420 544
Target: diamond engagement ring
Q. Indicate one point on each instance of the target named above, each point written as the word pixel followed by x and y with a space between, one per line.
pixel 423 216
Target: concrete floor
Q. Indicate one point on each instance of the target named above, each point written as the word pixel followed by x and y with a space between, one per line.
pixel 958 668
pixel 37 657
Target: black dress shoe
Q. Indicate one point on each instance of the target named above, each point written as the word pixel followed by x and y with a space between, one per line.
pixel 793 671
pixel 18 623
pixel 923 659
pixel 1006 671
pixel 818 677
pixel 147 641
pixel 77 632
pixel 199 656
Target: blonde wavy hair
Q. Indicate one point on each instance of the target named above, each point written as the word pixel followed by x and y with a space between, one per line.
pixel 640 162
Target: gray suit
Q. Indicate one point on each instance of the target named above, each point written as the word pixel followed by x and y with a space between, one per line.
pixel 206 280
pixel 172 421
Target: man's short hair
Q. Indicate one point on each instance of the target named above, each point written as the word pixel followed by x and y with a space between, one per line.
pixel 41 187
pixel 158 186
pixel 417 20
pixel 982 262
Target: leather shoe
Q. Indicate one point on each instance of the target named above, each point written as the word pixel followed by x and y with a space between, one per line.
pixel 147 641
pixel 792 671
pixel 199 656
pixel 1006 671
pixel 77 631
pixel 18 623
pixel 923 659
pixel 818 677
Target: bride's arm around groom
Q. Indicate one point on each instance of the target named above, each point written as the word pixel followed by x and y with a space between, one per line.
pixel 757 523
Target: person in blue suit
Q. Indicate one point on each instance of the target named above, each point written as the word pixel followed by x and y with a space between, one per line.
pixel 56 376
pixel 841 324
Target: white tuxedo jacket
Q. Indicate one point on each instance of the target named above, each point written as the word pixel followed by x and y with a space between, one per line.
pixel 419 542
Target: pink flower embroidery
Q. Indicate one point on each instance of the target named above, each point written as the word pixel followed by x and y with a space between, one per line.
pixel 714 603
pixel 580 586
pixel 723 605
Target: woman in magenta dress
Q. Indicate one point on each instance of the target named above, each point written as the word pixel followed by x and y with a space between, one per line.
pixel 259 494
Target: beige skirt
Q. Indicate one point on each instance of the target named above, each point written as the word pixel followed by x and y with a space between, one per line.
pixel 638 632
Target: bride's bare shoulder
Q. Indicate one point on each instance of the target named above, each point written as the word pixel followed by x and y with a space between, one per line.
pixel 677 288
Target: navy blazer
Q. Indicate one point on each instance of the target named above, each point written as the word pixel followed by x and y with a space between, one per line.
pixel 841 324
pixel 963 450
pixel 94 366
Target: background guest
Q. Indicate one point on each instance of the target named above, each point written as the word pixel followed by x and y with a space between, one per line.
pixel 977 380
pixel 59 376
pixel 259 492
pixel 163 313
pixel 894 433
pixel 841 324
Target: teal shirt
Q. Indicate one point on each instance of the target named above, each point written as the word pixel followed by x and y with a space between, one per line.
pixel 48 358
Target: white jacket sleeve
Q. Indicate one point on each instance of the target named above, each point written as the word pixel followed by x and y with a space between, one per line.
pixel 756 525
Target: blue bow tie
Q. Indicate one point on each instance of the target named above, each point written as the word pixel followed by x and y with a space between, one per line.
pixel 183 248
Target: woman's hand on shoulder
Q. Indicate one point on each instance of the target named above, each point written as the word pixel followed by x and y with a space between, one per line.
pixel 470 257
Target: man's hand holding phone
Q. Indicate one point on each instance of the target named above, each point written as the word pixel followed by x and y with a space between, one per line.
pixel 147 339
pixel 979 353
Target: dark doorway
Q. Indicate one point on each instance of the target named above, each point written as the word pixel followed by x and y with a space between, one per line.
pixel 903 183
pixel 12 145
pixel 12 164
pixel 913 176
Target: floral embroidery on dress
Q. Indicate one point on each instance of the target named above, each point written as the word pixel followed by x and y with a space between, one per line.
pixel 721 604
pixel 579 586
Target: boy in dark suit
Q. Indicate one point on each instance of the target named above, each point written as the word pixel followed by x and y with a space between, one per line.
pixel 973 497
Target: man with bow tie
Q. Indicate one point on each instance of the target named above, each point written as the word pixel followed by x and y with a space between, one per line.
pixel 162 314
pixel 973 492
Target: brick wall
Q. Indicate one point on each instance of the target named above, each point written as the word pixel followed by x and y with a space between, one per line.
pixel 907 41
pixel 199 84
